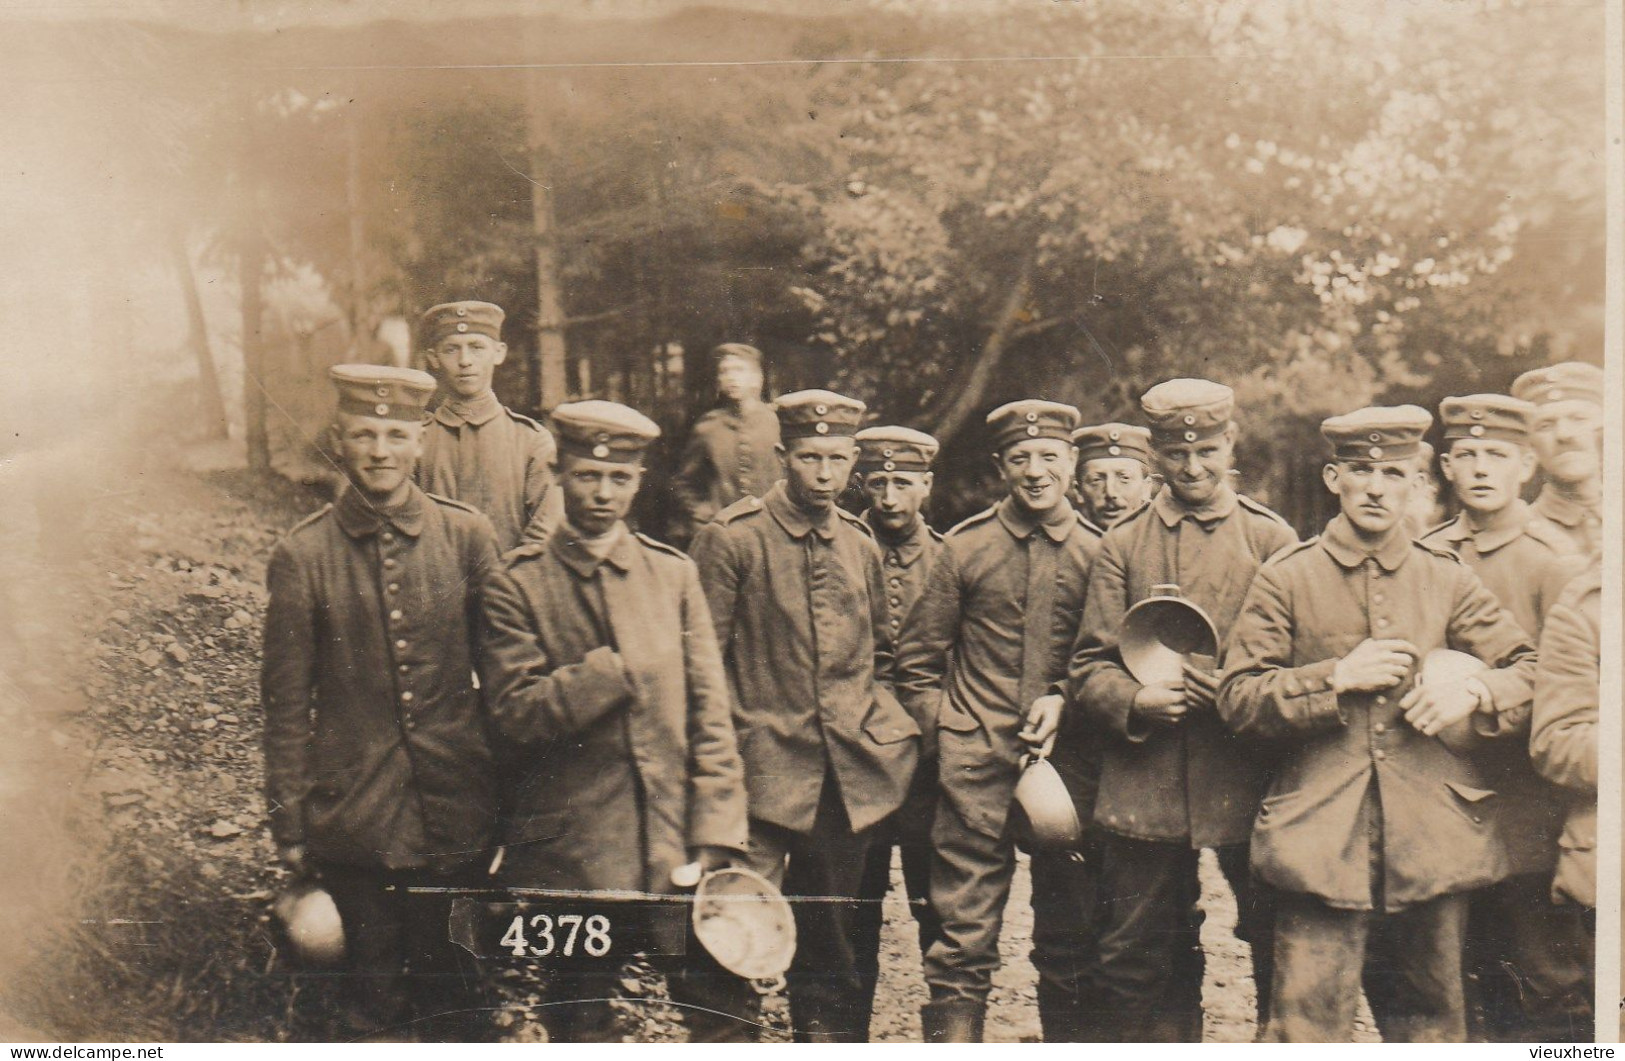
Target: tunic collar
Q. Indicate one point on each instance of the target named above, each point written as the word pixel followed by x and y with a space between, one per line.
pixel 359 517
pixel 1506 527
pixel 1172 510
pixel 573 549
pixel 795 520
pixel 909 548
pixel 1559 509
pixel 454 412
pixel 1021 525
pixel 1348 550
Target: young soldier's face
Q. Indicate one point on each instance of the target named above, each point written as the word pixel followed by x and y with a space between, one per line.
pixel 1112 487
pixel 1036 471
pixel 816 468
pixel 597 494
pixel 1567 437
pixel 1195 471
pixel 465 362
pixel 378 453
pixel 895 498
pixel 1487 474
pixel 1373 494
pixel 738 379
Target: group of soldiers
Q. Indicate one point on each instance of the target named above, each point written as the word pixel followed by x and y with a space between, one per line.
pixel 476 675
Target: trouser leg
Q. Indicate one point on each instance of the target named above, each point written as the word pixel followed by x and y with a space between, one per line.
pixel 1525 965
pixel 717 1006
pixel 374 948
pixel 1412 972
pixel 970 883
pixel 1150 950
pixel 869 917
pixel 1066 940
pixel 1255 921
pixel 1318 954
pixel 444 980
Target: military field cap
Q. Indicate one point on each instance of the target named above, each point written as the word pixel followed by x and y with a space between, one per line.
pixel 1032 418
pixel 816 413
pixel 1486 416
pixel 382 390
pixel 1568 381
pixel 895 449
pixel 1187 410
pixel 606 431
pixel 1377 433
pixel 1112 440
pixel 452 318
pixel 743 351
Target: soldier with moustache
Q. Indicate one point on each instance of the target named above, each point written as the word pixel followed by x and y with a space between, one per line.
pixel 1173 779
pixel 606 691
pixel 1525 978
pixel 1114 471
pixel 475 449
pixel 729 454
pixel 1374 830
pixel 894 473
pixel 798 597
pixel 980 649
pixel 1566 432
pixel 378 773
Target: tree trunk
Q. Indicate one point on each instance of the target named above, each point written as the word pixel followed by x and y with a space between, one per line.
pixel 549 378
pixel 251 263
pixel 957 409
pixel 211 403
pixel 352 196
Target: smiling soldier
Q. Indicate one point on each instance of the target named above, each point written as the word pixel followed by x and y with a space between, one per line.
pixel 606 689
pixel 377 770
pixel 1173 780
pixel 1566 432
pixel 1374 830
pixel 475 449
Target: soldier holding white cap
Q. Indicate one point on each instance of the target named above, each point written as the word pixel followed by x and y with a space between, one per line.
pixel 1566 431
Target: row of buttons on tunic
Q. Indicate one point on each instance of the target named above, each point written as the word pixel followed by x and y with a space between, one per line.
pixel 396 615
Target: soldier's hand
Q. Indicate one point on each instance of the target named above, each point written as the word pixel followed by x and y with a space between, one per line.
pixel 1043 721
pixel 1161 704
pixel 1374 664
pixel 1201 688
pixel 713 858
pixel 1435 706
pixel 293 857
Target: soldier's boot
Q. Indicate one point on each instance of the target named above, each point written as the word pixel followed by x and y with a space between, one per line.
pixel 1058 1013
pixel 953 1021
pixel 827 1020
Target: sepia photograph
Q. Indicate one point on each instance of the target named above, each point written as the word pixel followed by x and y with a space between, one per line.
pixel 895 521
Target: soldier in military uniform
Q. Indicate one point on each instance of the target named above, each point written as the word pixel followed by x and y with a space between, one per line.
pixel 730 452
pixel 798 595
pixel 1564 737
pixel 1374 830
pixel 475 449
pixel 1173 780
pixel 378 774
pixel 980 649
pixel 1566 431
pixel 1525 982
pixel 894 470
pixel 606 690
pixel 1114 471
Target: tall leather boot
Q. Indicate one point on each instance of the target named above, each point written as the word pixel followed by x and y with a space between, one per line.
pixel 1058 1013
pixel 953 1021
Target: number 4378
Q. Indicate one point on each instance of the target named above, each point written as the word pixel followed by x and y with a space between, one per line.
pixel 558 935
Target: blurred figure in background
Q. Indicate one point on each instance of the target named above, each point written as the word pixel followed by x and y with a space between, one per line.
pixel 730 452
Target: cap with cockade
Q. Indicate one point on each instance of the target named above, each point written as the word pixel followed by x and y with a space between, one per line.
pixel 743 351
pixel 1187 410
pixel 606 431
pixel 1112 440
pixel 1565 382
pixel 382 390
pixel 1492 416
pixel 894 449
pixel 1032 418
pixel 1377 433
pixel 453 318
pixel 817 413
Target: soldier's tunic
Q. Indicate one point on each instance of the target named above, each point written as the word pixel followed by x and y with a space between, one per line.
pixel 1523 953
pixel 1167 793
pixel 1582 524
pixel 1564 738
pixel 486 455
pixel 1371 832
pixel 987 637
pixel 799 606
pixel 375 747
pixel 729 456
pixel 608 699
pixel 906 562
